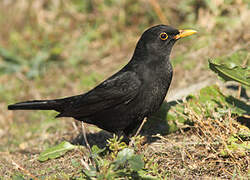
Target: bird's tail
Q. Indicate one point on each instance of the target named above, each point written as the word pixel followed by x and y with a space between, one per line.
pixel 37 105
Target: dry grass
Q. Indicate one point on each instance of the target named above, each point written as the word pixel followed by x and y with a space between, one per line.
pixel 202 151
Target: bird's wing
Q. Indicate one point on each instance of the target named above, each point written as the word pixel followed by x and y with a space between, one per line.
pixel 120 88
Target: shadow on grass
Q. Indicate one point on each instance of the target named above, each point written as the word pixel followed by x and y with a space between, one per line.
pixel 244 121
pixel 156 124
pixel 243 92
pixel 99 138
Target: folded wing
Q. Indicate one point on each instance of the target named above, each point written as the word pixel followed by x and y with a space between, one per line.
pixel 120 88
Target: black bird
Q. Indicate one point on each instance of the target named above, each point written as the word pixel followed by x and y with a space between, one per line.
pixel 120 103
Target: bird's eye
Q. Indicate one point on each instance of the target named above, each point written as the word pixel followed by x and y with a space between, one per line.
pixel 163 36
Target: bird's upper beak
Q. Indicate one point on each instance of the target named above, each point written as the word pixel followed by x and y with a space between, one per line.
pixel 184 33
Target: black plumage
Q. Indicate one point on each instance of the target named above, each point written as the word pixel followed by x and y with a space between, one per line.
pixel 120 103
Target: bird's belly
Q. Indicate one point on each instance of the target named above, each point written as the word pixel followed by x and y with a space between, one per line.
pixel 153 100
pixel 132 112
pixel 117 118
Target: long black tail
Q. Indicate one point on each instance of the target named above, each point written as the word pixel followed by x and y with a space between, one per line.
pixel 37 105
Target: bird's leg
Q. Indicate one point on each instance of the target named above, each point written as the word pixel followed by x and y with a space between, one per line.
pixel 138 131
pixel 85 138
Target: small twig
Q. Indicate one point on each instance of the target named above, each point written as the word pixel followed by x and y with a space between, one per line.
pixel 188 154
pixel 158 11
pixel 75 127
pixel 85 164
pixel 85 137
pixel 228 172
pixel 240 86
pixel 24 170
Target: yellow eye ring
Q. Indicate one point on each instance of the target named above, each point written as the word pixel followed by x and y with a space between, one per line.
pixel 163 36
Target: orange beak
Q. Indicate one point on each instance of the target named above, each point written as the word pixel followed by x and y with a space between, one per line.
pixel 184 33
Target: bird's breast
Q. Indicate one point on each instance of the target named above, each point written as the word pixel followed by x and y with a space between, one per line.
pixel 154 92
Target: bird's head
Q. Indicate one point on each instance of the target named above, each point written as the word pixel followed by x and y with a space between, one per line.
pixel 159 40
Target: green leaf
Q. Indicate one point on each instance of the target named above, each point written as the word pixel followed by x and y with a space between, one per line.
pixel 233 73
pixel 56 151
pixel 90 173
pixel 136 162
pixel 95 155
pixel 75 163
pixel 96 150
pixel 235 146
pixel 238 57
pixel 123 156
pixel 37 63
pixel 10 57
pixel 144 175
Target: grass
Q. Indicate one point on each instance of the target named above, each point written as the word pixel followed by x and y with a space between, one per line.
pixel 67 48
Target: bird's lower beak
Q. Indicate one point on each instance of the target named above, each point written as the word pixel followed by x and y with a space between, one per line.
pixel 184 33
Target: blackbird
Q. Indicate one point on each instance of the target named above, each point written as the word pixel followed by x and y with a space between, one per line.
pixel 120 103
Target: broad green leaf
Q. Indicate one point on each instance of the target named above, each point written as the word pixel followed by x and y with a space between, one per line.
pixel 56 151
pixel 237 58
pixel 136 162
pixel 123 156
pixel 233 73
